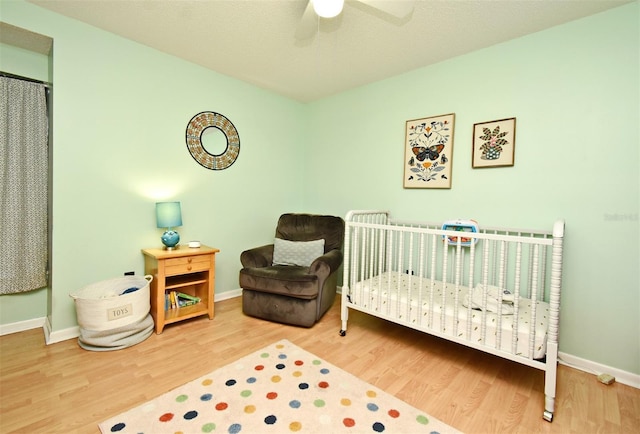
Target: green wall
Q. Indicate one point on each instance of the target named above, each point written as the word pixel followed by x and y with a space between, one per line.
pixel 121 110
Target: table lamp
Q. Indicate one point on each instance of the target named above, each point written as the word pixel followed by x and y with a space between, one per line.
pixel 168 215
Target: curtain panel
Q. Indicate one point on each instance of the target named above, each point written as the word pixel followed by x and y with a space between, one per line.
pixel 24 130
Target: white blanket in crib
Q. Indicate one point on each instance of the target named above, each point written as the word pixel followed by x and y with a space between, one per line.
pixel 497 300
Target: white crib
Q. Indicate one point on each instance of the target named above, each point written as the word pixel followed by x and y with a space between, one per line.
pixel 496 290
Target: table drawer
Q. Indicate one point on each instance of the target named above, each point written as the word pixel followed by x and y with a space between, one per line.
pixel 188 264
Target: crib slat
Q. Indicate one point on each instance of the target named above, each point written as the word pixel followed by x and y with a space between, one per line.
pixel 443 301
pixel 502 284
pixel 361 256
pixel 472 257
pixel 516 299
pixel 534 302
pixel 421 271
pixel 485 283
pixel 456 293
pixel 432 281
pixel 380 236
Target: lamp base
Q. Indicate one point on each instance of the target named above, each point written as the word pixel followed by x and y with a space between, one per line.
pixel 170 239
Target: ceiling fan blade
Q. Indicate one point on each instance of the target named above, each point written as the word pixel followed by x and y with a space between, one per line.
pixel 308 23
pixel 397 8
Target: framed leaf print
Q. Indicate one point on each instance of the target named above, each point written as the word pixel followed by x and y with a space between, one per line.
pixel 494 143
pixel 428 152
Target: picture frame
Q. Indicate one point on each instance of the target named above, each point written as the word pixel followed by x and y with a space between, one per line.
pixel 494 143
pixel 428 152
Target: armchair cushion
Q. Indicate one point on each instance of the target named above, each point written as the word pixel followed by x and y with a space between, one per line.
pixel 301 253
pixel 289 280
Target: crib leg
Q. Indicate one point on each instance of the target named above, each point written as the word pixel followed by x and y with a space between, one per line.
pixel 343 331
pixel 549 404
pixel 550 379
pixel 344 316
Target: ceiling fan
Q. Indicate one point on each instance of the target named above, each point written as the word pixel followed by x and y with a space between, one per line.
pixel 332 8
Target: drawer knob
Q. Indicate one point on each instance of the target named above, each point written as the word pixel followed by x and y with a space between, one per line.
pixel 189 260
pixel 189 267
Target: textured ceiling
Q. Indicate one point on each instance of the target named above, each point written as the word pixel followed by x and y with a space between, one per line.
pixel 253 40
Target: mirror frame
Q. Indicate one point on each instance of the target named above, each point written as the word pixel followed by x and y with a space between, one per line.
pixel 197 125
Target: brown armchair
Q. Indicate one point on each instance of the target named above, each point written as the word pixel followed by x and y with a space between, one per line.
pixel 284 282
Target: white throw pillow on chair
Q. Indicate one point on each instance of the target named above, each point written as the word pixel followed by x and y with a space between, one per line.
pixel 301 253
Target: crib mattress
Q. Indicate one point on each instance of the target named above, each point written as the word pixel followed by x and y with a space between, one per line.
pixel 408 299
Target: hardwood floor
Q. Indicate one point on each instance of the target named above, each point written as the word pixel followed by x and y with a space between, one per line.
pixel 62 388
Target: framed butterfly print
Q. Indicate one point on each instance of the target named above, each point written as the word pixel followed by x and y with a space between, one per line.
pixel 494 143
pixel 428 152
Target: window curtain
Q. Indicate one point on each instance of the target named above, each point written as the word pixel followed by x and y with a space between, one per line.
pixel 24 130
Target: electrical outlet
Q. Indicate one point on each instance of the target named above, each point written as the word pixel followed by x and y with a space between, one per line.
pixel 129 273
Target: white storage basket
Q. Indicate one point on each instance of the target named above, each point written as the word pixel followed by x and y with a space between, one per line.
pixel 118 338
pixel 104 306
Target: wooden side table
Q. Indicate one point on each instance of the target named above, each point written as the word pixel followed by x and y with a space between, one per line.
pixel 190 271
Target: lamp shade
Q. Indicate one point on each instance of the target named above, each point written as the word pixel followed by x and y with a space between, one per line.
pixel 168 214
pixel 328 8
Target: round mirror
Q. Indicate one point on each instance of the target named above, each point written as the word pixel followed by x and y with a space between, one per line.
pixel 213 141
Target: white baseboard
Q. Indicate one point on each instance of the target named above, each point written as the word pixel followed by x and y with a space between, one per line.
pixel 21 326
pixel 52 337
pixel 228 294
pixel 624 377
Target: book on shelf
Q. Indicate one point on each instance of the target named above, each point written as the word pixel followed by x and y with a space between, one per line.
pixel 188 297
pixel 175 300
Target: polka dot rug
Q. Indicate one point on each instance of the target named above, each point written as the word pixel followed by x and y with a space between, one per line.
pixel 279 389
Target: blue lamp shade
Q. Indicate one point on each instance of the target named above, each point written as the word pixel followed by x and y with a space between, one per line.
pixel 169 215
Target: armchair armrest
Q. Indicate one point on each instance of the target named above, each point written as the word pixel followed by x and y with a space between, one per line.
pixel 258 257
pixel 326 264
